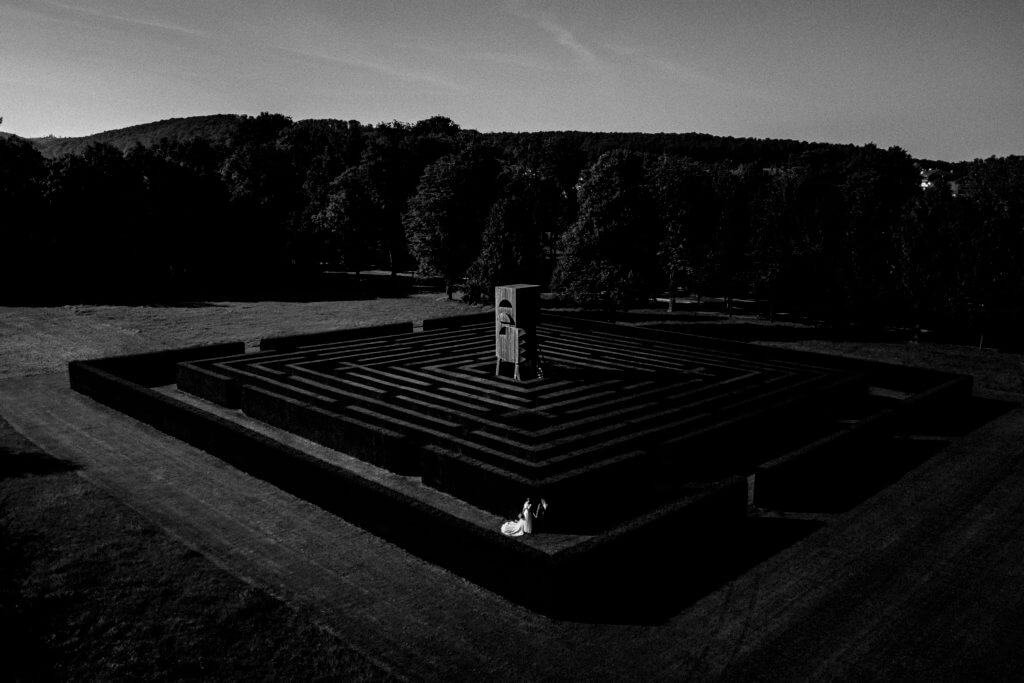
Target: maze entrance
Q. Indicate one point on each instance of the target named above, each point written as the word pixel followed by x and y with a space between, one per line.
pixel 639 440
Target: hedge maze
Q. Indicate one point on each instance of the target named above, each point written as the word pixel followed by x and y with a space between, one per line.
pixel 635 437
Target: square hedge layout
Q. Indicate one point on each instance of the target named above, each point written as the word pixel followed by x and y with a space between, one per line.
pixel 614 406
pixel 636 437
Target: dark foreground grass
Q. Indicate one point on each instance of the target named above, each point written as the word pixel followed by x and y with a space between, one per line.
pixel 90 590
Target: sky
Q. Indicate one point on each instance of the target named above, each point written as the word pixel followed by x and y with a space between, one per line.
pixel 942 79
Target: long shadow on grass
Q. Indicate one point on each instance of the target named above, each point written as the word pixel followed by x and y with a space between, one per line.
pixel 748 332
pixel 976 412
pixel 657 591
pixel 687 571
pixel 31 463
pixel 841 487
pixel 28 658
pixel 19 457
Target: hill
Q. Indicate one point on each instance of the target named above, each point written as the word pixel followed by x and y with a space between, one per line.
pixel 585 146
pixel 215 127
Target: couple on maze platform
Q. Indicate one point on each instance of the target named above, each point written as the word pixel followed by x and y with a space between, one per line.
pixel 524 523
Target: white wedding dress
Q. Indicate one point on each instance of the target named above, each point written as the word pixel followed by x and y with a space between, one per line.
pixel 523 525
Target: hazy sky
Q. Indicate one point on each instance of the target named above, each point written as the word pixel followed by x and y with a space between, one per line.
pixel 942 79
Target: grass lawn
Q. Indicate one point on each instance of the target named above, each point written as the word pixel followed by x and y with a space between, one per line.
pixel 993 370
pixel 89 590
pixel 34 340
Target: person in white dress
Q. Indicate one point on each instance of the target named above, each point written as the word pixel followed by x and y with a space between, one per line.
pixel 522 525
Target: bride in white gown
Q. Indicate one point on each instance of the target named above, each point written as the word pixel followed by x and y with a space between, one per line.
pixel 524 525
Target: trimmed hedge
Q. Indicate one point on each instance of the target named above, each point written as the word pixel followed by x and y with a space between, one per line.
pixel 294 341
pixel 157 368
pixel 207 384
pixel 374 444
pixel 901 377
pixel 471 480
pixel 451 321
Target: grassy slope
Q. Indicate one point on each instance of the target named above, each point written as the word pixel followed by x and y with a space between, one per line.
pixel 89 590
pixel 216 128
pixel 37 340
pixel 992 369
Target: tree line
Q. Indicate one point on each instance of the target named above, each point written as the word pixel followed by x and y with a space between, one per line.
pixel 607 220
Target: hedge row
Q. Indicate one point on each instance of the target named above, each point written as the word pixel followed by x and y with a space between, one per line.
pixel 374 444
pixel 294 341
pixel 900 377
pixel 193 378
pixel 451 321
pixel 158 368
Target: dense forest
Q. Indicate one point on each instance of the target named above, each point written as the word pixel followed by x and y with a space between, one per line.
pixel 196 208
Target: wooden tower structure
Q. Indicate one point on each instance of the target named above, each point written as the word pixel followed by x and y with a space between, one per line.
pixel 516 314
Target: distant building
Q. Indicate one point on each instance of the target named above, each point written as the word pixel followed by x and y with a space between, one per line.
pixel 933 177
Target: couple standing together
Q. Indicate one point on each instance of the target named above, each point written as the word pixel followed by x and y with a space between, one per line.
pixel 524 523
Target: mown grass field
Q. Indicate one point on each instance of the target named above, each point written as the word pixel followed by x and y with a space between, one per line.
pixel 90 590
